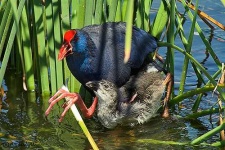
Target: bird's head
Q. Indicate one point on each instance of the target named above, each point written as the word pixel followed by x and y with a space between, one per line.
pixel 104 90
pixel 66 48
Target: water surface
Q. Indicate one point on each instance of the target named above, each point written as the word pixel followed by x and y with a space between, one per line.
pixel 23 124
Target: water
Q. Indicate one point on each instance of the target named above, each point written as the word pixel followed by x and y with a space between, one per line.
pixel 24 126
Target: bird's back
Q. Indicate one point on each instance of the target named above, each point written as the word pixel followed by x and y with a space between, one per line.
pixel 149 88
pixel 109 39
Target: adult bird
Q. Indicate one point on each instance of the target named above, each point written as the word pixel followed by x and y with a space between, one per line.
pixel 96 52
pixel 113 106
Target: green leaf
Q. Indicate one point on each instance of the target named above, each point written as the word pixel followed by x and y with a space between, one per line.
pixel 223 1
pixel 160 20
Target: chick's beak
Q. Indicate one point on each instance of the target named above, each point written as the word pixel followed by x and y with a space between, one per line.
pixel 64 51
pixel 92 85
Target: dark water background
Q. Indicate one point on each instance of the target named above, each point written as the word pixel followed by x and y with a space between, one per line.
pixel 23 125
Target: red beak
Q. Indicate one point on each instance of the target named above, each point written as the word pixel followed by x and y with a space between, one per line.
pixel 66 48
pixel 64 51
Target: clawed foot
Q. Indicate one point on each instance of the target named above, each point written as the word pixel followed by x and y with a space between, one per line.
pixel 71 98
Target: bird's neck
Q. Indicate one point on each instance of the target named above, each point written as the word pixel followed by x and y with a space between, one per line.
pixel 83 44
pixel 109 105
pixel 106 105
pixel 82 62
pixel 79 43
pixel 108 114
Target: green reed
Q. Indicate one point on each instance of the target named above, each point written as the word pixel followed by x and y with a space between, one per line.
pixel 31 33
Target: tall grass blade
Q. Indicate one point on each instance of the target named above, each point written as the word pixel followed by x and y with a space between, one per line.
pixel 5 24
pixel 81 122
pixel 205 41
pixel 143 14
pixel 208 134
pixel 88 12
pixel 57 40
pixel 27 53
pixel 10 42
pixel 51 46
pixel 112 10
pixel 4 18
pixel 18 39
pixel 171 39
pixel 129 24
pixel 188 49
pixel 160 20
pixel 41 47
pixel 74 85
pixel 223 1
pixel 98 12
pixel 80 14
pixel 219 89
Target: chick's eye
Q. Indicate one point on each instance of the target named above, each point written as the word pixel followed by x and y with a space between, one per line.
pixel 148 97
pixel 106 86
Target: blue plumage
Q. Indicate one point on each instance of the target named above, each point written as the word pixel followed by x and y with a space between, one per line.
pixel 98 52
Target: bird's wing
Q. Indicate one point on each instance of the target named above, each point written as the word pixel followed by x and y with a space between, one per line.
pixel 109 39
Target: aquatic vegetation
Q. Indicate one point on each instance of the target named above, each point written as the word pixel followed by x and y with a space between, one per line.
pixel 31 34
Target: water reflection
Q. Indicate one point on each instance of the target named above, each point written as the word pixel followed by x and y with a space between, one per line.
pixel 25 126
pixel 207 51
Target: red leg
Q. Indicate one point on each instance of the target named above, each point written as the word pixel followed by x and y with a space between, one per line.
pixel 87 112
pixel 73 98
pixel 169 82
pixel 133 97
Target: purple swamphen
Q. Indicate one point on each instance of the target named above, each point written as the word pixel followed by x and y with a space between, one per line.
pixel 96 52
